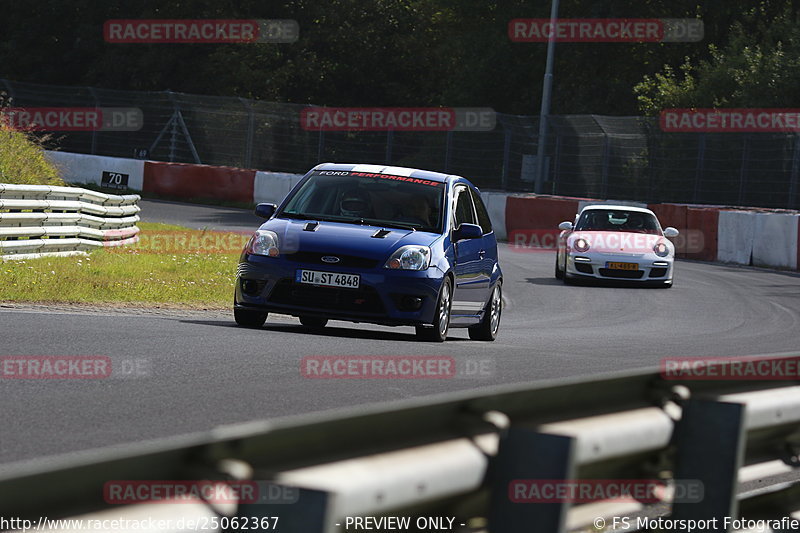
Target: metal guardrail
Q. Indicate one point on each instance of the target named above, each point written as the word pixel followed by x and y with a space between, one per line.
pixel 456 455
pixel 43 220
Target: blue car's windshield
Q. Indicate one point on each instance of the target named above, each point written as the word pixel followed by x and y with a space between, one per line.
pixel 366 198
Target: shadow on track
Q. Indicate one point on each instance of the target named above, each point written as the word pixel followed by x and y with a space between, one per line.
pixel 327 331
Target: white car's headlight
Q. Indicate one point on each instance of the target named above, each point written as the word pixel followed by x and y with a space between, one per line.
pixel 410 257
pixel 581 245
pixel 661 249
pixel 263 242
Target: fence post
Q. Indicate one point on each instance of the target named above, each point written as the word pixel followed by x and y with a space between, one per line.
pixel 793 185
pixel 556 162
pixel 389 143
pixel 10 89
pixel 248 148
pixel 606 157
pixel 699 168
pixel 321 146
pixel 743 168
pixel 447 146
pixel 506 159
pixel 94 131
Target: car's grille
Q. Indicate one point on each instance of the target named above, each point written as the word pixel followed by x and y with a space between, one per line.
pixel 363 300
pixel 658 272
pixel 626 274
pixel 586 269
pixel 347 261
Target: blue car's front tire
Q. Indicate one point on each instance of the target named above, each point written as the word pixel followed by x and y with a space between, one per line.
pixel 441 316
pixel 248 318
pixel 490 323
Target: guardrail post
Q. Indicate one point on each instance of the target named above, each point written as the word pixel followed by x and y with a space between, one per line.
pixel 710 439
pixel 307 515
pixel 525 453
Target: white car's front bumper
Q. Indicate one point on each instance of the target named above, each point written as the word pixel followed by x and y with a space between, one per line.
pixel 649 267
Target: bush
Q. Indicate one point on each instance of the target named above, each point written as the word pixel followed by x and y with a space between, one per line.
pixel 22 160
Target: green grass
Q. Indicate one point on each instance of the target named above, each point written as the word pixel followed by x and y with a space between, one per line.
pixel 22 160
pixel 157 272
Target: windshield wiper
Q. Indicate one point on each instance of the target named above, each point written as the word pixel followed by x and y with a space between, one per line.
pixel 298 216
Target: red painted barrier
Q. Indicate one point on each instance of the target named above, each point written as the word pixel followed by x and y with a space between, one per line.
pixel 701 233
pixel 676 217
pixel 199 181
pixel 532 221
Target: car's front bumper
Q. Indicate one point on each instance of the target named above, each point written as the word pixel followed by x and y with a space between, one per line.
pixel 383 297
pixel 649 267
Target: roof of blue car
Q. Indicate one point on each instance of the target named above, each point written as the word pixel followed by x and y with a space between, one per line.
pixel 389 170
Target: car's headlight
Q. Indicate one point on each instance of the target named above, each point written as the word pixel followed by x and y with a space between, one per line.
pixel 263 242
pixel 410 258
pixel 661 249
pixel 581 245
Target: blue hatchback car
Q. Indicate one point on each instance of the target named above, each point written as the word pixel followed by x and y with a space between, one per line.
pixel 378 244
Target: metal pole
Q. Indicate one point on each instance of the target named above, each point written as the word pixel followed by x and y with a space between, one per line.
pixel 547 85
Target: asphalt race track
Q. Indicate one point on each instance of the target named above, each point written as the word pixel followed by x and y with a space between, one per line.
pixel 200 371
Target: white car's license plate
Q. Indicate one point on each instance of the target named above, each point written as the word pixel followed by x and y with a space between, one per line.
pixel 622 266
pixel 328 279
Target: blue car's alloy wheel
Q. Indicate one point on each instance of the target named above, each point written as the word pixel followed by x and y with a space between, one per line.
pixel 441 320
pixel 490 324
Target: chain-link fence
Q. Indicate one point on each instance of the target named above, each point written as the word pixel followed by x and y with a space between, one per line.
pixel 625 158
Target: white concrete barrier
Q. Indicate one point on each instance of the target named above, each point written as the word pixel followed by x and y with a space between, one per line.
pixel 496 205
pixel 84 168
pixel 272 187
pixel 775 240
pixel 735 233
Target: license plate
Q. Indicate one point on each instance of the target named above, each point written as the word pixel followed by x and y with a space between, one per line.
pixel 328 279
pixel 622 266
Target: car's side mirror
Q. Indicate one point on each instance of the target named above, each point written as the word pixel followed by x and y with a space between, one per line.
pixel 467 231
pixel 565 226
pixel 671 232
pixel 265 210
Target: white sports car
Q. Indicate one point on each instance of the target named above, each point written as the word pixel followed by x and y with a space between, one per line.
pixel 615 242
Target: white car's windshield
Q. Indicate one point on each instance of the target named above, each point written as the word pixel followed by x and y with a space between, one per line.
pixel 618 220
